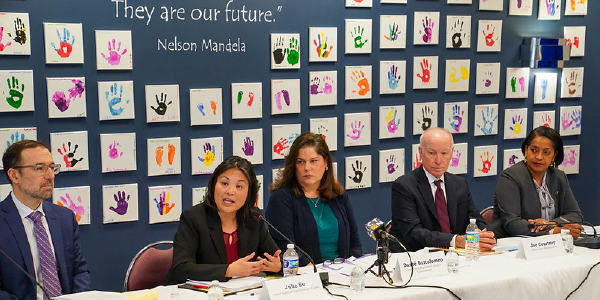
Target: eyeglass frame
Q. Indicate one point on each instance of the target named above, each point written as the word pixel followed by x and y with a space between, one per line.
pixel 336 261
pixel 55 169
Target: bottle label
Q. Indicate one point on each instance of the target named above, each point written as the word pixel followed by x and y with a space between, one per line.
pixel 472 236
pixel 290 263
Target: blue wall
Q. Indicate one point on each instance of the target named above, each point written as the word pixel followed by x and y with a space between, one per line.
pixel 109 248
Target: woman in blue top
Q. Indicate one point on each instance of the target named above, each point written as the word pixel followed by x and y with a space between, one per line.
pixel 309 205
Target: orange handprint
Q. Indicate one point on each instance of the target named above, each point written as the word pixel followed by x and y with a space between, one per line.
pixel 487 163
pixel 213 106
pixel 159 155
pixel 171 153
pixel 363 84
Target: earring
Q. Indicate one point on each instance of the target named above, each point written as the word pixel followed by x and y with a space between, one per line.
pixel 326 168
pixel 525 160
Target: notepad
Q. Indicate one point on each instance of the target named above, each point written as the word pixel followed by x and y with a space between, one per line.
pixel 233 285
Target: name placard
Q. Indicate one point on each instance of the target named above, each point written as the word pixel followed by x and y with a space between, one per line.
pixel 425 265
pixel 541 247
pixel 300 287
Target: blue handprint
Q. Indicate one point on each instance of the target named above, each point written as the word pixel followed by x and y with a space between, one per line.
pixel 15 138
pixel 113 98
pixel 201 108
pixel 544 88
pixel 516 121
pixel 488 122
pixel 394 32
pixel 456 119
pixel 293 136
pixel 393 77
pixel 576 117
pixel 65 46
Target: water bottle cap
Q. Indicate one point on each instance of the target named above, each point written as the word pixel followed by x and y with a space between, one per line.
pixel 290 246
pixel 472 221
pixel 452 249
pixel 215 282
pixel 565 231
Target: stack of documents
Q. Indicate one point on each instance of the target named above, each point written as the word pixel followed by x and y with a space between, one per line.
pixel 233 285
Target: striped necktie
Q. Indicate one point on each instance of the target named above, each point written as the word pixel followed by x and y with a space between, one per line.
pixel 47 262
pixel 442 209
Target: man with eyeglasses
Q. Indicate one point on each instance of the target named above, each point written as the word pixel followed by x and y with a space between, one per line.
pixel 39 236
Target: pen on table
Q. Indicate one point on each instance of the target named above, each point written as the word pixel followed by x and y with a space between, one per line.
pixel 200 286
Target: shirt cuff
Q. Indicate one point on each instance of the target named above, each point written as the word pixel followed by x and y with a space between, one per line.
pixel 453 241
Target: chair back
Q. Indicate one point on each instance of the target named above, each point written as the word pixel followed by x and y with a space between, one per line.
pixel 487 213
pixel 388 226
pixel 149 267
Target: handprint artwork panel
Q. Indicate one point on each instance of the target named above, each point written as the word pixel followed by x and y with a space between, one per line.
pixel 425 116
pixel 545 88
pixel 118 152
pixel 198 195
pixel 392 77
pixel 485 161
pixel 322 88
pixel 15 37
pixel 115 100
pixel 457 75
pixel 162 103
pixel 517 83
pixel 492 5
pixel 425 72
pixel 512 157
pixel 77 199
pixel 571 83
pixel 282 138
pixel 458 32
pixel 358 38
pixel 392 121
pixel 164 203
pixel 10 135
pixel 119 203
pixel 570 164
pixel 544 118
pixel 549 9
pixel 285 50
pixel 456 117
pixel 570 120
pixel 515 123
pixel 248 144
pixel 66 97
pixel 16 90
pixel 391 164
pixel 285 96
pixel 164 156
pixel 246 100
pixel 489 36
pixel 426 28
pixel 359 3
pixel 520 7
pixel 575 36
pixel 487 80
pixel 207 154
pixel 359 82
pixel 357 129
pixel 392 32
pixel 327 128
pixel 113 50
pixel 70 149
pixel 322 44
pixel 206 106
pixel 459 161
pixel 63 43
pixel 358 172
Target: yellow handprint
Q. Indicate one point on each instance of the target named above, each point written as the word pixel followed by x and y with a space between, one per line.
pixel 464 73
pixel 453 75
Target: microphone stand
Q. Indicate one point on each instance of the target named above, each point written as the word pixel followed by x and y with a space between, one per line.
pixel 383 250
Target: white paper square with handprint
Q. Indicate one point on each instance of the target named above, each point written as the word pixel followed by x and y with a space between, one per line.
pixel 515 123
pixel 285 51
pixel 323 88
pixel 282 137
pixel 493 5
pixel 459 161
pixel 8 136
pixel 162 103
pixel 459 1
pixel 425 116
pixel 391 164
pixel 545 88
pixel 327 128
pixel 458 32
pixel 260 198
pixel 393 1
pixel 570 164
pixel 426 28
pixel 118 152
pixel 285 96
pixel 575 36
pixel 359 3
pixel 544 118
pixel 488 78
pixel 115 100
pixel 63 43
pixel 457 76
pixel 17 93
pixel 520 7
pixel 571 83
pixel 486 119
pixel 113 50
pixel 198 195
pixel 358 36
pixel 570 120
pixel 358 172
pixel 164 203
pixel 576 8
pixel 66 97
pixel 70 149
pixel 417 160
pixel 517 83
pixel 164 156
pixel 322 44
pixel 392 77
pixel 246 100
pixel 392 32
pixel 357 129
pixel 16 38
pixel 120 203
pixel 512 157
pixel 248 144
pixel 392 121
pixel 549 9
pixel 489 36
pixel 359 82
pixel 77 199
pixel 485 161
pixel 276 173
pixel 206 106
pixel 425 72
pixel 456 117
pixel 207 154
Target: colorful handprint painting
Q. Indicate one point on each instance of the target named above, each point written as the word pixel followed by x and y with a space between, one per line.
pixel 359 82
pixel 570 120
pixel 486 119
pixel 512 157
pixel 575 36
pixel 458 32
pixel 162 103
pixel 285 51
pixel 394 1
pixel 425 116
pixel 357 129
pixel 164 203
pixel 391 164
pixel 66 97
pixel 457 76
pixel 323 44
pixel 118 152
pixel 544 118
pixel 115 100
pixel 70 150
pixel 282 138
pixel 198 195
pixel 392 77
pixel 426 28
pixel 63 43
pixel 456 117
pixel 77 199
pixel 246 100
pixel 517 82
pixel 120 203
pixel 515 123
pixel 576 7
pixel 16 90
pixel 327 128
pixel 164 156
pixel 458 163
pixel 571 83
pixel 113 50
pixel 359 171
pixel 485 161
pixel 489 36
pixel 488 78
pixel 549 9
pixel 248 144
pixel 322 88
pixel 392 32
pixel 425 72
pixel 10 135
pixel 359 3
pixel 459 1
pixel 392 121
pixel 358 38
pixel 206 106
pixel 207 154
pixel 15 34
pixel 520 7
pixel 570 164
pixel 544 91
pixel 285 96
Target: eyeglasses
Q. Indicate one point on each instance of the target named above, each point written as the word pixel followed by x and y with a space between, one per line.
pixel 337 261
pixel 41 169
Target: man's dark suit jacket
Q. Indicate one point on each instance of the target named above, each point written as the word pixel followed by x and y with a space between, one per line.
pixel 414 215
pixel 199 248
pixel 72 267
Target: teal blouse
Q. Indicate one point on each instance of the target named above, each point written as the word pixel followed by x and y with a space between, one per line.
pixel 327 225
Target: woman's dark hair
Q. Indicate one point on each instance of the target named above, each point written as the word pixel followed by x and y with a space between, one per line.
pixel 12 154
pixel 244 166
pixel 550 134
pixel 329 187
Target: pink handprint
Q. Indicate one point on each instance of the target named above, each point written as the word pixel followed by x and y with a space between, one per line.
pixel 487 163
pixel 78 89
pixel 565 121
pixel 427 30
pixel 114 57
pixel 281 145
pixel 522 83
pixel 286 98
pixel 357 128
pixel 60 100
pixel 455 158
pixel 569 158
pixel 66 201
pixel 3 46
pixel 328 82
pixel 113 151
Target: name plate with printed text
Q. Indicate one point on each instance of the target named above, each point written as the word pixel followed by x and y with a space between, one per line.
pixel 541 247
pixel 425 265
pixel 299 287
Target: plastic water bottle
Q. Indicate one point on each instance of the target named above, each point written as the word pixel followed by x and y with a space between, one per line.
pixel 567 239
pixel 452 261
pixel 290 261
pixel 472 242
pixel 215 292
pixel 357 279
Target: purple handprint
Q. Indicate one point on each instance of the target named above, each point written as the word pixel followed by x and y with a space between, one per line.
pixel 78 89
pixel 122 203
pixel 512 160
pixel 209 155
pixel 455 158
pixel 357 128
pixel 393 77
pixel 113 151
pixel 428 30
pixel 248 146
pixel 456 119
pixel 286 98
pixel 114 57
pixel 391 164
pixel 576 117
pixel 314 86
pixel 60 100
pixel 488 80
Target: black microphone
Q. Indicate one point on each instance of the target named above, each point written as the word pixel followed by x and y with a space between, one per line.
pixel 26 273
pixel 376 230
pixel 588 242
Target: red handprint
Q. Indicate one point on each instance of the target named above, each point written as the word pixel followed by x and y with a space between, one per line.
pixel 487 163
pixel 251 96
pixel 489 37
pixel 425 69
pixel 417 163
pixel 281 145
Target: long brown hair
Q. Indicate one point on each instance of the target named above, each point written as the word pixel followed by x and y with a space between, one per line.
pixel 329 188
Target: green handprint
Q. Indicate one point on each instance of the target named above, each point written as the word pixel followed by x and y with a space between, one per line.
pixel 357 35
pixel 293 52
pixel 239 97
pixel 513 83
pixel 15 98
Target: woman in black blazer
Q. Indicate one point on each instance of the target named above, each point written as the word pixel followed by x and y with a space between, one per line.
pixel 220 238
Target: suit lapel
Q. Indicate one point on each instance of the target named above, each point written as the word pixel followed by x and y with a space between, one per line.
pixel 244 243
pixel 425 190
pixel 216 234
pixel 451 202
pixel 13 219
pixel 54 227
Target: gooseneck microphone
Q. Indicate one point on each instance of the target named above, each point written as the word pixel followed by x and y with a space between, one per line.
pixel 26 273
pixel 588 242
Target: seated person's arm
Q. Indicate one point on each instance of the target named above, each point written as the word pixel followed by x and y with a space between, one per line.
pixel 508 202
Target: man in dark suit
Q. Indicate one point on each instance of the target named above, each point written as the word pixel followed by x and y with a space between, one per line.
pixel 41 237
pixel 421 215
